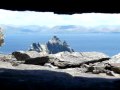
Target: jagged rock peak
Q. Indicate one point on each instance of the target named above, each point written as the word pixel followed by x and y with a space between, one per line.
pixel 54 40
pixel 53 46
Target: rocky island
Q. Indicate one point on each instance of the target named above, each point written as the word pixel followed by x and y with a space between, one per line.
pixel 55 45
pixel 55 66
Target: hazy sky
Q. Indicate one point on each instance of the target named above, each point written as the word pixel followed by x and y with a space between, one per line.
pixel 50 19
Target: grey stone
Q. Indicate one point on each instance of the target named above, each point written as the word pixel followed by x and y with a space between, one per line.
pixel 6 57
pixel 37 60
pixel 115 59
pixel 76 59
pixel 50 65
pixel 23 55
pixel 112 73
pixel 1 37
pixel 6 65
pixel 116 69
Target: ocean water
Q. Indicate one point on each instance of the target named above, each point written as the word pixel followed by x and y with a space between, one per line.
pixel 108 43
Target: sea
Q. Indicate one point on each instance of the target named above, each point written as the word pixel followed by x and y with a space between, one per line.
pixel 108 43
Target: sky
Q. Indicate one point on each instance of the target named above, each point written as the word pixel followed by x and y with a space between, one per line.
pixel 22 18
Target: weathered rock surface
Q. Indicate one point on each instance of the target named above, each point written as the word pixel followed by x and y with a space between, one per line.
pixel 37 60
pixel 75 59
pixel 53 46
pixel 115 59
pixel 1 36
pixel 6 65
pixel 115 63
pixel 62 59
pixel 71 71
pixel 115 67
pixel 23 55
pixel 96 69
pixel 83 62
pixel 30 57
pixel 50 65
pixel 6 57
pixel 31 67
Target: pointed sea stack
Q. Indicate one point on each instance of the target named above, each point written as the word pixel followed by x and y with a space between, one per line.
pixel 53 46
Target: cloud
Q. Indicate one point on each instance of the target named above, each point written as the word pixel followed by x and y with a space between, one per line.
pixel 22 18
